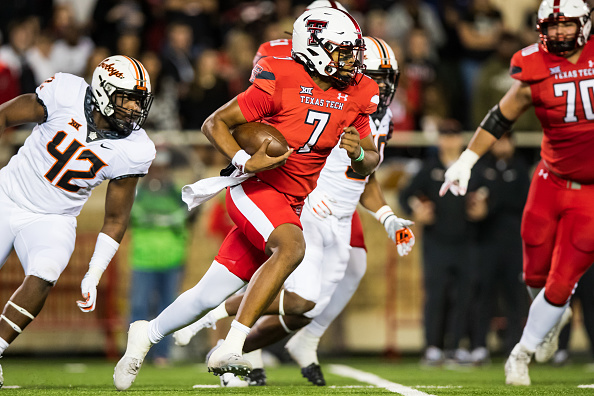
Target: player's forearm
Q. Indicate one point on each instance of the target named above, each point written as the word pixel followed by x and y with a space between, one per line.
pixel 366 165
pixel 115 228
pixel 372 198
pixel 481 142
pixel 217 132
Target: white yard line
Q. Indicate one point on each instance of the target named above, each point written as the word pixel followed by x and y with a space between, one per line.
pixel 586 386
pixel 362 376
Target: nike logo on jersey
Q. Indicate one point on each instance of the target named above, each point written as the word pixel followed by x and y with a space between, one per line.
pixel 105 147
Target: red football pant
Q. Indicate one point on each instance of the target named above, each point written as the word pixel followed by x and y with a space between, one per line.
pixel 357 237
pixel 256 209
pixel 557 234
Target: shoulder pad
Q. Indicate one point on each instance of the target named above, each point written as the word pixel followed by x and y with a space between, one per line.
pixel 532 64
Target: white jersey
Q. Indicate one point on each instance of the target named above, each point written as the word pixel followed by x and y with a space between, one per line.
pixel 62 160
pixel 338 180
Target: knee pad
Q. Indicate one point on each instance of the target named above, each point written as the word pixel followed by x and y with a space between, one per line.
pixel 357 264
pixel 557 293
pixel 536 229
pixel 582 231
pixel 47 269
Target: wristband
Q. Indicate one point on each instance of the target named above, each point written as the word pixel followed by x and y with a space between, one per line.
pixel 361 156
pixel 383 213
pixel 239 160
pixel 105 248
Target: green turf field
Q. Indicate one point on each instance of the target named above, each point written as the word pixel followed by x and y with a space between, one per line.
pixel 405 377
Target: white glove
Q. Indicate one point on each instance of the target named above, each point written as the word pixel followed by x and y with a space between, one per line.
pixel 457 175
pixel 88 289
pixel 321 204
pixel 397 229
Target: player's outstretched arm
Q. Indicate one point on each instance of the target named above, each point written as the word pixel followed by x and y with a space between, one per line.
pixel 21 110
pixel 498 121
pixel 398 229
pixel 118 204
pixel 362 152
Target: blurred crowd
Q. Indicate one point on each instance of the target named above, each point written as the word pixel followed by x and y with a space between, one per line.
pixel 453 54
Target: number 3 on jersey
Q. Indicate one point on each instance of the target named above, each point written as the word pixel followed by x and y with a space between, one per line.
pixel 62 159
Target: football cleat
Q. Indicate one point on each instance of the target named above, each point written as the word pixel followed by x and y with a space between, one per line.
pixel 516 366
pixel 126 370
pixel 183 336
pixel 257 377
pixel 547 348
pixel 313 373
pixel 1 377
pixel 230 380
pixel 433 357
pixel 219 361
pixel 303 348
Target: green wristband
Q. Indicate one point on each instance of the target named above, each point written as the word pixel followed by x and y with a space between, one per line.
pixel 360 157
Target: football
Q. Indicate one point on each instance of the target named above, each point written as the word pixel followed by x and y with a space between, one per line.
pixel 251 135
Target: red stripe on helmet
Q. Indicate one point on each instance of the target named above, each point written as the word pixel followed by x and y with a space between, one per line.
pixel 556 6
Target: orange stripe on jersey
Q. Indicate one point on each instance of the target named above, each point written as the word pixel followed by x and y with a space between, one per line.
pixel 383 51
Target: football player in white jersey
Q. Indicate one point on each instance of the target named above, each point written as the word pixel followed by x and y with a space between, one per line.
pixel 324 282
pixel 83 136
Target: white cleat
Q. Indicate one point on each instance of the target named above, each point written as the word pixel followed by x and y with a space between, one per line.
pixel 303 348
pixel 220 361
pixel 1 378
pixel 230 380
pixel 183 336
pixel 547 348
pixel 516 367
pixel 126 370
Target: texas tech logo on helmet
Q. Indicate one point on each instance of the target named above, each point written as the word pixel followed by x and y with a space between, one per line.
pixel 314 26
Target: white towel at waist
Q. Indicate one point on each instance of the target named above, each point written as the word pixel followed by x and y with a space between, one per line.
pixel 203 190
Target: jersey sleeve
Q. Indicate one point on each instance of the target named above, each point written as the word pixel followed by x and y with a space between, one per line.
pixel 135 162
pixel 57 92
pixel 255 104
pixel 369 91
pixel 530 65
pixel 362 125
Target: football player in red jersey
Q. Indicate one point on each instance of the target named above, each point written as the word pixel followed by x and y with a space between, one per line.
pixel 555 76
pixel 316 99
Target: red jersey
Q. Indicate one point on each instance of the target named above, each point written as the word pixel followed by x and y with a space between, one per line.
pixel 312 120
pixel 280 48
pixel 562 95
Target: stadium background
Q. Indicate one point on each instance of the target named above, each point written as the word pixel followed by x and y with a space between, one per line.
pixel 385 315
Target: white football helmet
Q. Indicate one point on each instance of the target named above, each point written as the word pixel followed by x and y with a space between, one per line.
pixel 555 11
pixel 318 33
pixel 381 65
pixel 120 78
pixel 326 3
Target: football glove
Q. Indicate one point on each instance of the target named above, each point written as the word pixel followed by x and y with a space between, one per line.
pixel 397 229
pixel 88 289
pixel 321 204
pixel 457 175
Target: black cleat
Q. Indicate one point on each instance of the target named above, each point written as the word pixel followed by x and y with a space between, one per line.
pixel 257 377
pixel 313 373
